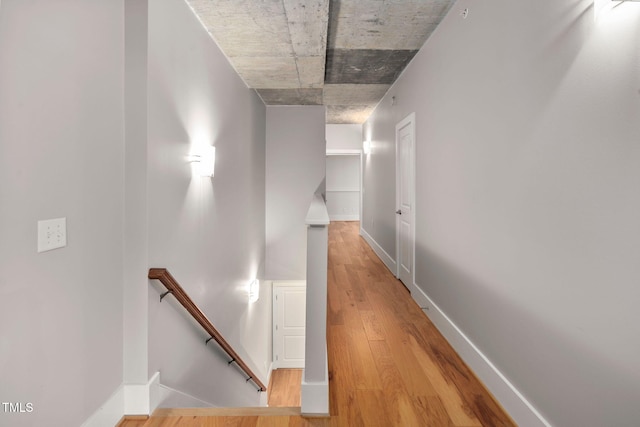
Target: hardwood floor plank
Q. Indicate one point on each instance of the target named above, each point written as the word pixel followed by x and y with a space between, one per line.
pixel 342 383
pixel 390 376
pixel 239 421
pixel 274 421
pixel 432 411
pixel 414 378
pixel 284 388
pixel 459 413
pixel 373 328
pixel 133 420
pixel 364 371
pixel 334 304
pixel 372 404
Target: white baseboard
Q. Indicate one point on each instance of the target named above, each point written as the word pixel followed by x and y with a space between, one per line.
pixel 128 399
pixel 110 413
pixel 518 407
pixel 137 397
pixel 169 397
pixel 384 256
pixel 314 397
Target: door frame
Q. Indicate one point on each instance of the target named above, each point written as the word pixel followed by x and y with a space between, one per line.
pixel 411 121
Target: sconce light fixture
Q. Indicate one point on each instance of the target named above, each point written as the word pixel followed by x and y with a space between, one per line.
pixel 254 291
pixel 366 146
pixel 204 157
pixel 602 8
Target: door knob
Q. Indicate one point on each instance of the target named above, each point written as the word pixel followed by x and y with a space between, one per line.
pixel 399 212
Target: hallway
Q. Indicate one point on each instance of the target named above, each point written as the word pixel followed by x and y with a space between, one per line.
pixel 388 365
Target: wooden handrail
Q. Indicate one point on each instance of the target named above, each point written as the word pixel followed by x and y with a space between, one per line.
pixel 176 290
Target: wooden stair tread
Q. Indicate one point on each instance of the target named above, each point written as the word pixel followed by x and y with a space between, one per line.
pixel 227 412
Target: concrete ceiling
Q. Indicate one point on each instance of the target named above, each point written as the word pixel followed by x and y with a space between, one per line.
pixel 344 54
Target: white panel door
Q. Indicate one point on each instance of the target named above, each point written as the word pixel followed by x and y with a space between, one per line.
pixel 289 313
pixel 405 140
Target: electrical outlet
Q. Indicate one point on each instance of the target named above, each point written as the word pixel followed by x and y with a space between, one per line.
pixel 52 234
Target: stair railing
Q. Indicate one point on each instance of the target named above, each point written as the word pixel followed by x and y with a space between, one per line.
pixel 176 290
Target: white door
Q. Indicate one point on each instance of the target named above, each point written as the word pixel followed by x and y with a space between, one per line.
pixel 289 314
pixel 405 143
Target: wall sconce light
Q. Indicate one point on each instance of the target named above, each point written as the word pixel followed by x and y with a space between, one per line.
pixel 366 147
pixel 254 291
pixel 204 157
pixel 604 7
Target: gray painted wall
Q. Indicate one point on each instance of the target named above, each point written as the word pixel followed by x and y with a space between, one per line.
pixel 527 205
pixel 343 187
pixel 209 232
pixel 61 155
pixel 135 250
pixel 295 170
pixel 344 136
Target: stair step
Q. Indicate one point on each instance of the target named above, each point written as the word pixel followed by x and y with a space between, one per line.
pixel 226 412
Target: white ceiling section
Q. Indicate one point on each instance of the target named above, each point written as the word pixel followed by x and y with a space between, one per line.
pixel 344 54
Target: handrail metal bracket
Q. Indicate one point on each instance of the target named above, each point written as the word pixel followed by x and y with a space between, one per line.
pixel 165 294
pixel 231 361
pixel 247 380
pixel 207 341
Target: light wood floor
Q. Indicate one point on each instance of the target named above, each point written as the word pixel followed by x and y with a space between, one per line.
pixel 284 387
pixel 388 365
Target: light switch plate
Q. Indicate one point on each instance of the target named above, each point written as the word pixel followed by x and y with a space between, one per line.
pixel 52 234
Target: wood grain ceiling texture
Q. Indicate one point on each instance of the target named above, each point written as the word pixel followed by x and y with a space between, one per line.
pixel 344 54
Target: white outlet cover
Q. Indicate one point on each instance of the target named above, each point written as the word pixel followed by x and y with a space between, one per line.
pixel 52 234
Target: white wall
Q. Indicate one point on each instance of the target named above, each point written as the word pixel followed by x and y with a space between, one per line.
pixel 209 232
pixel 343 187
pixel 527 214
pixel 378 218
pixel 295 170
pixel 135 250
pixel 344 137
pixel 61 155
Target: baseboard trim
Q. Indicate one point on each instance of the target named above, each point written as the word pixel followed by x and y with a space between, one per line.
pixel 188 400
pixel 315 399
pixel 128 399
pixel 382 254
pixel 314 396
pixel 110 413
pixel 516 405
pixel 137 399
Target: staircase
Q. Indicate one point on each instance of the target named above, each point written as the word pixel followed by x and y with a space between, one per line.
pixel 284 409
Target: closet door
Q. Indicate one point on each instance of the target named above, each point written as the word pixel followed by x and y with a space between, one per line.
pixel 289 317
